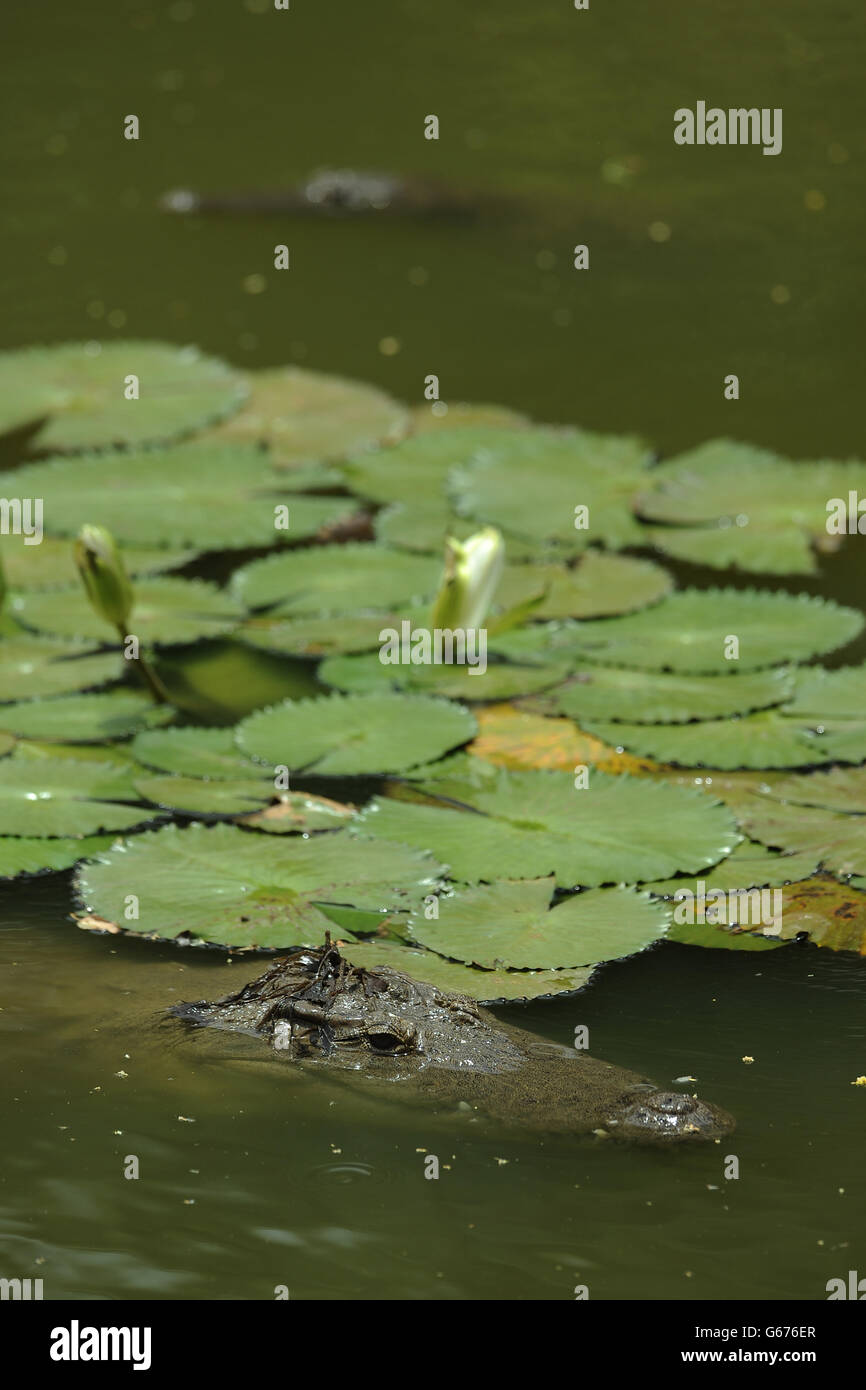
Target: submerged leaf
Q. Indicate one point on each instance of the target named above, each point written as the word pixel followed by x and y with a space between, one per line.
pixel 297 812
pixel 79 390
pixel 346 735
pixel 511 923
pixel 227 886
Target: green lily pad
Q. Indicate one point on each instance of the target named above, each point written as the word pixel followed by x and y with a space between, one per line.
pixel 649 697
pixel 316 637
pixel 192 752
pixel 7 743
pixel 836 838
pixel 753 509
pixel 83 718
pixel 536 823
pixel 194 796
pixel 228 886
pixel 834 704
pixel 36 666
pixel 35 856
pixel 308 417
pixel 418 469
pixel 749 865
pixel 65 798
pixel 486 986
pixel 766 739
pixel 511 923
pixel 78 389
pixel 687 633
pixel 840 789
pixel 597 586
pixel 50 565
pixel 500 681
pixel 333 579
pixel 166 611
pixel 205 496
pixel 348 735
pixel 530 484
pixel 300 812
pixel 462 413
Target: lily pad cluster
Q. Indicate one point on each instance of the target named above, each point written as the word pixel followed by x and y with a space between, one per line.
pixel 665 741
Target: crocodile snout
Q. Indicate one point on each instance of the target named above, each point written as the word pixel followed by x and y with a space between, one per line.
pixel 660 1115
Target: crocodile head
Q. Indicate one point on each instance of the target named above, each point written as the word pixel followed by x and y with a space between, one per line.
pixel 315 1005
pixel 665 1115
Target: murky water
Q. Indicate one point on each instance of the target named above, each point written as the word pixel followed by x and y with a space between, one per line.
pixel 274 1178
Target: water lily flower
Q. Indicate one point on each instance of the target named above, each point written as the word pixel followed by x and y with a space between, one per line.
pixel 104 576
pixel 472 572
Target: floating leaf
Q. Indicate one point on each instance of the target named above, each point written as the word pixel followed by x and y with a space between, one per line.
pixel 832 914
pixel 50 564
pixel 761 740
pixel 308 417
pixel 487 986
pixel 836 838
pixel 206 496
pixel 834 704
pixel 316 637
pixel 83 718
pixel 750 865
pixel 840 789
pixel 225 885
pixel 500 681
pixel 330 579
pixel 79 389
pixel 65 798
pixel 536 823
pixel 166 611
pixel 300 811
pixel 196 797
pixel 418 469
pixel 597 586
pixel 649 697
pixel 511 923
pixel 38 666
pixel 345 735
pixel 530 483
pixel 688 632
pixel 519 739
pixel 7 743
pixel 34 856
pixel 194 752
pixel 760 512
pixel 460 414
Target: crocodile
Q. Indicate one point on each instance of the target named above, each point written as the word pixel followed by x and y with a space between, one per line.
pixel 332 192
pixel 314 1007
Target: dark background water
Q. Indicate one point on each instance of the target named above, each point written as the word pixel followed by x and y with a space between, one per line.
pixel 560 123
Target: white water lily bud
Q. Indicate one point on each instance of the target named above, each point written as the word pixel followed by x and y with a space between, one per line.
pixel 104 575
pixel 472 572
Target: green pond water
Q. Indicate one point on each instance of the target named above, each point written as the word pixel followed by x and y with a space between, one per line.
pixel 274 1177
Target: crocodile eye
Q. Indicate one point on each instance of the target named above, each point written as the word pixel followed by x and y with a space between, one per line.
pixel 389 1042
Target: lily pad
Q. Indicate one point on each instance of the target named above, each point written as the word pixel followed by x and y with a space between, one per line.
pixel 836 838
pixel 536 823
pixel 316 637
pixel 86 718
pixel 306 416
pixel 193 796
pixel 840 789
pixel 204 496
pixel 597 586
pixel 50 565
pixel 78 389
pixel 348 735
pixel 688 633
pixel 300 812
pixel 32 666
pixel 65 798
pixel 757 511
pixel 522 739
pixel 35 856
pixel 228 886
pixel 166 611
pixel 486 986
pixel 834 704
pixel 766 739
pixel 530 484
pixel 500 681
pixel 331 579
pixel 649 697
pixel 419 468
pixel 750 865
pixel 462 413
pixel 192 752
pixel 511 923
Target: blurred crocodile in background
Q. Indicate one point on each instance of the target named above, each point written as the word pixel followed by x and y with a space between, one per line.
pixel 314 1007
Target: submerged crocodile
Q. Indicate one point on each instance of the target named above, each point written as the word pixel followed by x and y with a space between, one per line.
pixel 334 192
pixel 313 1006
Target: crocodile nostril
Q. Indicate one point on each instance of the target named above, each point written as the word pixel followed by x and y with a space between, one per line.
pixel 672 1103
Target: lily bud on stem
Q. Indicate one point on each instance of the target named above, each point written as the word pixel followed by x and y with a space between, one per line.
pixel 110 592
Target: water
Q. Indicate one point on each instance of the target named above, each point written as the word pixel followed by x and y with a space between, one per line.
pixel 274 1178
